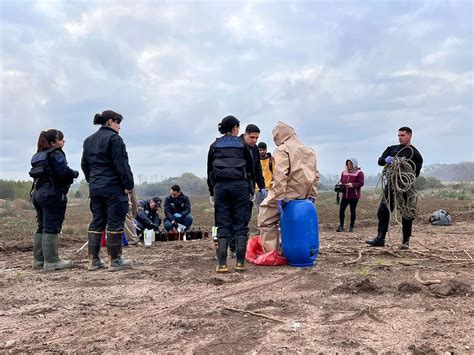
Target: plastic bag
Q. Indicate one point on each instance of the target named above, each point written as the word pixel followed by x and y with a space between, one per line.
pixel 256 255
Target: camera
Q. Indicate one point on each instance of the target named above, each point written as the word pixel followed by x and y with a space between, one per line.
pixel 339 188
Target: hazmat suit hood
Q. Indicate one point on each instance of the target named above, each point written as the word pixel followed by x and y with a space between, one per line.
pixel 283 132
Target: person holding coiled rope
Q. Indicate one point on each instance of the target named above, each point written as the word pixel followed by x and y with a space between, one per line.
pixel 402 165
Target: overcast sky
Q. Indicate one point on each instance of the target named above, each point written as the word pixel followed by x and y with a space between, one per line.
pixel 345 74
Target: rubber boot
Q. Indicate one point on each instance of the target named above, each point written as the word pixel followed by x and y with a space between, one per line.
pixel 240 252
pixel 50 252
pixel 95 262
pixel 378 241
pixel 221 253
pixel 405 242
pixel 38 258
pixel 340 228
pixel 114 249
pixel 232 247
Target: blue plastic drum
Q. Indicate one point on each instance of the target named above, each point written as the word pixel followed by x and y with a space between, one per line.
pixel 299 233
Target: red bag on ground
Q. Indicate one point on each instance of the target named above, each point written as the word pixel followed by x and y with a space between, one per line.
pixel 256 255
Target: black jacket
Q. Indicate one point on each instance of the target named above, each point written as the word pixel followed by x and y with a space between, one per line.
pixel 229 159
pixel 105 163
pixel 259 179
pixel 180 205
pixel 407 151
pixel 147 216
pixel 50 165
pixel 257 168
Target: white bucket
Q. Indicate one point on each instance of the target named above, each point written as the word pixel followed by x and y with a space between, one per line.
pixel 148 236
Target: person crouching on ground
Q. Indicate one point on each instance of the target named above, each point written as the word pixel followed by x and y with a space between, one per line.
pixel 352 178
pixel 105 166
pixel 147 216
pixel 177 209
pixel 229 164
pixel 294 178
pixel 52 178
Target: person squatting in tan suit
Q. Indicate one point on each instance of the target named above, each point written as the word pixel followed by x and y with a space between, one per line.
pixel 294 178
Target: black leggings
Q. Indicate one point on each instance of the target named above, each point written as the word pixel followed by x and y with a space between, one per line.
pixel 352 202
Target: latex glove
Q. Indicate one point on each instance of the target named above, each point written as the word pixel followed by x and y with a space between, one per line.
pixel 211 200
pixel 263 193
pixel 281 204
pixel 177 216
pixel 389 160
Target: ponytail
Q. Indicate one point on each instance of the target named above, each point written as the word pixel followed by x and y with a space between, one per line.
pixel 104 117
pixel 228 123
pixel 47 137
pixel 99 119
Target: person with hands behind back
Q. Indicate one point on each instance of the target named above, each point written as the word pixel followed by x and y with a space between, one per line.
pixel 106 168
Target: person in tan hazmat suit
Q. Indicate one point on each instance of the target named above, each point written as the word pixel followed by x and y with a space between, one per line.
pixel 294 178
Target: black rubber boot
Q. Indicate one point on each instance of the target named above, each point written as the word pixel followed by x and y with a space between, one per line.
pixel 221 253
pixel 95 262
pixel 232 247
pixel 114 249
pixel 240 252
pixel 378 241
pixel 38 258
pixel 405 242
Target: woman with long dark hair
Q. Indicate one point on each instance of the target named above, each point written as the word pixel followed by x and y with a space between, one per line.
pixel 52 178
pixel 105 166
pixel 229 166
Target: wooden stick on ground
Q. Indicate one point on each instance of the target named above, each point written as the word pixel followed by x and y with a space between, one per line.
pixel 465 252
pixel 354 260
pixel 425 282
pixel 254 314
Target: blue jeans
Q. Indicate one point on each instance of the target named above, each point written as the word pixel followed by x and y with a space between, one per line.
pixel 187 221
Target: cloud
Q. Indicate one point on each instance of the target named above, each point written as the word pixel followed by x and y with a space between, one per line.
pixel 345 76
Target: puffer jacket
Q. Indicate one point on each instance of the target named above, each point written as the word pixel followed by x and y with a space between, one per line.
pixel 354 176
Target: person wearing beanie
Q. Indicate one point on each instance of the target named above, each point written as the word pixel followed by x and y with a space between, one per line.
pixel 106 168
pixel 229 168
pixel 352 178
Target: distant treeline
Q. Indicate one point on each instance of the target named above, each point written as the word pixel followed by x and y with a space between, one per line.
pixel 451 172
pixel 190 184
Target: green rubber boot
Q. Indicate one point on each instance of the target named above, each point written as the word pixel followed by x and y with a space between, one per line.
pixel 38 258
pixel 52 261
pixel 114 248
pixel 93 249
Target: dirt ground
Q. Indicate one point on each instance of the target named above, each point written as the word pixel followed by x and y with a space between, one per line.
pixel 354 299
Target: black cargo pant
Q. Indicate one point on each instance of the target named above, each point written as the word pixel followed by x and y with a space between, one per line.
pixel 383 215
pixel 50 210
pixel 108 212
pixel 231 208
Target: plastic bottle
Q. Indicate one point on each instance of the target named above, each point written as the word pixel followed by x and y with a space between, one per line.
pixel 148 236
